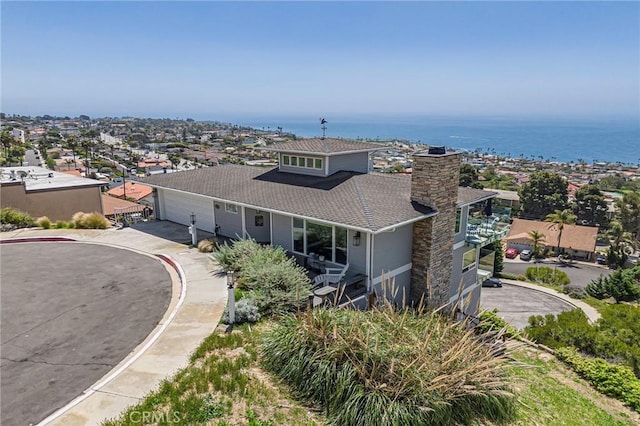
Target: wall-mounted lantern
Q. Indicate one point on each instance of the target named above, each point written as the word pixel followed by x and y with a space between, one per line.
pixel 356 238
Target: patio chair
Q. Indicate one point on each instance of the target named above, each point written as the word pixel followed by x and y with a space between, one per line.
pixel 331 276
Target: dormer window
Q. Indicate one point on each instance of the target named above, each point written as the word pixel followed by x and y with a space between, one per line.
pixel 296 161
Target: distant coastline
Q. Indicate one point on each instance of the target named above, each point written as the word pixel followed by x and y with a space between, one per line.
pixel 591 140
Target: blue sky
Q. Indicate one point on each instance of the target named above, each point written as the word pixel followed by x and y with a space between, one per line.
pixel 205 59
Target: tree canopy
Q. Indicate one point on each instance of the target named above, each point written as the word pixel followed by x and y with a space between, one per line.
pixel 590 206
pixel 469 176
pixel 545 193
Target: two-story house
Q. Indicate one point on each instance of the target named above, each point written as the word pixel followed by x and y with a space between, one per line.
pixel 322 200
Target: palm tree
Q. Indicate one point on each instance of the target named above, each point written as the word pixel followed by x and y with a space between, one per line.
pixel 536 236
pixel 620 239
pixel 73 144
pixel 559 218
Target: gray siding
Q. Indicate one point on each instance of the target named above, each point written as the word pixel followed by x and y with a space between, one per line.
pixel 281 226
pixel 392 250
pixel 261 234
pixel 357 255
pixel 357 162
pixel 230 223
pixel 397 289
pixel 457 277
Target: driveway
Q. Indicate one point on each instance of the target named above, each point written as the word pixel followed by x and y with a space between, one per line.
pixel 580 273
pixel 516 304
pixel 70 313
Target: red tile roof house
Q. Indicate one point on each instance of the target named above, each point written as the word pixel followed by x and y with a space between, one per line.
pixel 578 241
pixel 323 200
pixel 130 190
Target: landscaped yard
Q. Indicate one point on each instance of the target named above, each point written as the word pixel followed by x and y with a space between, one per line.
pixel 225 385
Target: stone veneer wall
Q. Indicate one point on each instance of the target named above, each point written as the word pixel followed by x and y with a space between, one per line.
pixel 434 183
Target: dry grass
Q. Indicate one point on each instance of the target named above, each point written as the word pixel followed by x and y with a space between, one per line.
pixel 389 366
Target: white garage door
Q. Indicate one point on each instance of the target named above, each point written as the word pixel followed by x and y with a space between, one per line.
pixel 178 207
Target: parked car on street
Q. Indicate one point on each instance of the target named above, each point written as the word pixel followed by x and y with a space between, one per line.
pixel 526 255
pixel 601 259
pixel 511 253
pixel 492 282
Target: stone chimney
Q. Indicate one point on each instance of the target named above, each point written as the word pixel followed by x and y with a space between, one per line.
pixel 434 183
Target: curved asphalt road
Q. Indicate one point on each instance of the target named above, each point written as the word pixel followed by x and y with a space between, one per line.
pixel 516 304
pixel 70 313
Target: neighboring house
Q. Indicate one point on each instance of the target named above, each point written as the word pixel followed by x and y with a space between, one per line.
pixel 577 241
pixel 321 200
pixel 142 194
pixel 42 192
pixel 508 198
pixel 151 166
pixel 112 206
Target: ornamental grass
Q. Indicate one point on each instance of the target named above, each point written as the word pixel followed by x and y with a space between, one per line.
pixel 390 367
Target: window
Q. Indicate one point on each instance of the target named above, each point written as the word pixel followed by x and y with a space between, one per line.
pixel 323 240
pixel 458 214
pixel 320 240
pixel 469 260
pixel 298 235
pixel 231 208
pixel 307 162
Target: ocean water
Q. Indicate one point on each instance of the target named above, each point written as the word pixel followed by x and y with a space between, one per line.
pixel 557 139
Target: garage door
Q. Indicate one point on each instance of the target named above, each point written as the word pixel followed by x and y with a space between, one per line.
pixel 178 207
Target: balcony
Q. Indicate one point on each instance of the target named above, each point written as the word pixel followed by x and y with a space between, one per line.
pixel 481 232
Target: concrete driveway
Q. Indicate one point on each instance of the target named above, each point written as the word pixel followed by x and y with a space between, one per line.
pixel 516 304
pixel 70 313
pixel 579 273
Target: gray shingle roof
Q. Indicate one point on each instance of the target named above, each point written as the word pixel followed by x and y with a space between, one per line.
pixel 471 195
pixel 366 201
pixel 324 146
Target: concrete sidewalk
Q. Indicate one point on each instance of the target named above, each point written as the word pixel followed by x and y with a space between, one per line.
pixel 197 302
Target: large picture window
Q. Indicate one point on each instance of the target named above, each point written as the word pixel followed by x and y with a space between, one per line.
pixel 324 240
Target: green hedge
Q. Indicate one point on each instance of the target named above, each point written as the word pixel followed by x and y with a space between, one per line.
pixel 610 379
pixel 547 275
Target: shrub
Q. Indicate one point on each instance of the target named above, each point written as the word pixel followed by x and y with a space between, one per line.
pixel 570 328
pixel 61 224
pixel 43 222
pixel 507 276
pixel 521 277
pixel 206 246
pixel 385 367
pixel 490 322
pixel 574 291
pixel 271 278
pixel 623 285
pixel 276 287
pixel 246 311
pixel 15 217
pixel 547 275
pixel 94 220
pixel 612 380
